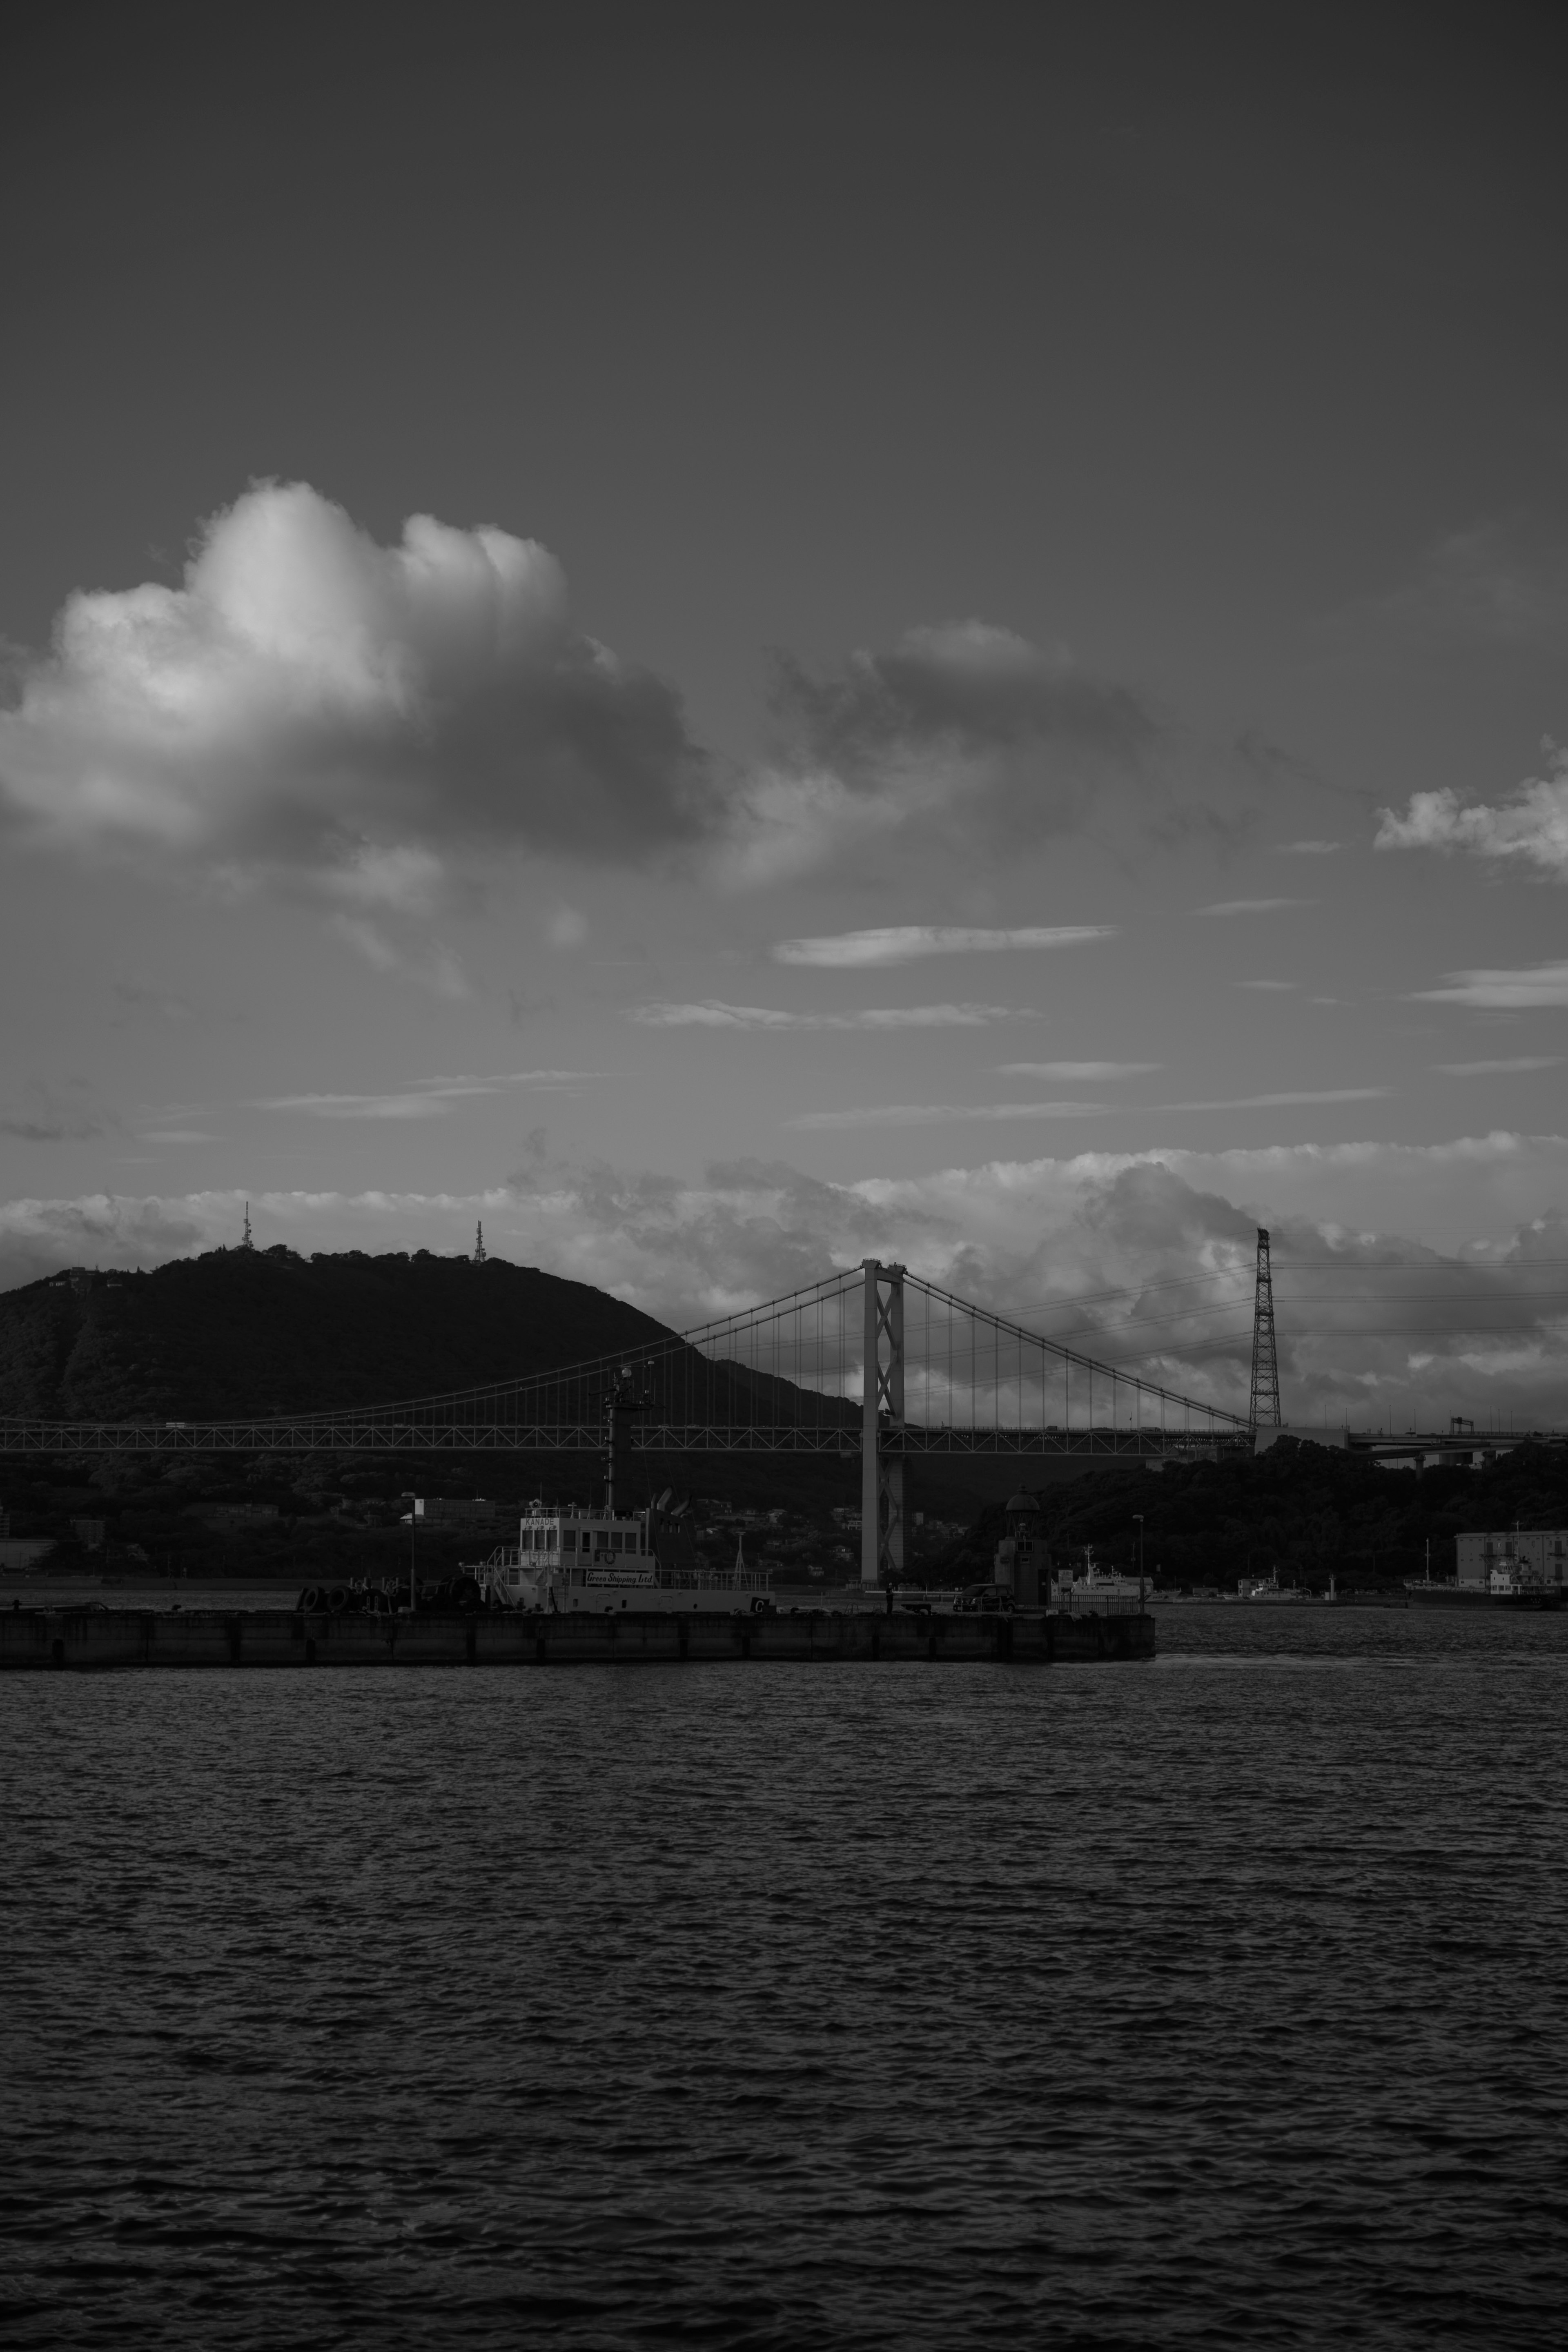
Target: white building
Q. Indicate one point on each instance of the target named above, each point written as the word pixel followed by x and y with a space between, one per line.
pixel 1534 1555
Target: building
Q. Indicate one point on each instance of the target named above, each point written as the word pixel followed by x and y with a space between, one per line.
pixel 445 1511
pixel 1530 1556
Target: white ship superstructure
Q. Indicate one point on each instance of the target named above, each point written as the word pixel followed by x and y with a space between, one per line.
pixel 573 1557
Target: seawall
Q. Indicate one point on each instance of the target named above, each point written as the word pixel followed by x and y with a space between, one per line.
pixel 98 1640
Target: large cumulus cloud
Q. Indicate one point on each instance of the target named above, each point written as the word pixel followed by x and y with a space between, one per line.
pixel 312 706
pixel 314 711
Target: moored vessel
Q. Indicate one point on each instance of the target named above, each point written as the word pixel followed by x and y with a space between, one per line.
pixel 574 1557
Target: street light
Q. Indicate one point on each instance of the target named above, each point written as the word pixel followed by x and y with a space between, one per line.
pixel 414 1509
pixel 1139 1516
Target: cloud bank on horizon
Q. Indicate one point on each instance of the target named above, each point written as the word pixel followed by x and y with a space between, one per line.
pixel 1143 1260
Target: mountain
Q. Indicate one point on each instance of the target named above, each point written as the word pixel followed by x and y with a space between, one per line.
pixel 240 1332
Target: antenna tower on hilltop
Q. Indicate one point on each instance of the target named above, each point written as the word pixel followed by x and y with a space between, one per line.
pixel 1264 1410
pixel 480 1252
pixel 245 1242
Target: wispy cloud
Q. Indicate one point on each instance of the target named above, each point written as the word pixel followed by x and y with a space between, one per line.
pixel 137 997
pixel 1283 1101
pixel 1074 1072
pixel 1308 848
pixel 712 1015
pixel 1251 906
pixel 434 968
pixel 945 1114
pixel 1488 1069
pixel 907 943
pixel 428 1099
pixel 175 1135
pixel 1278 987
pixel 1501 991
pixel 44 1113
pixel 941 1114
pixel 425 1106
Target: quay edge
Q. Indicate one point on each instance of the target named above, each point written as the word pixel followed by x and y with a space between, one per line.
pixel 100 1640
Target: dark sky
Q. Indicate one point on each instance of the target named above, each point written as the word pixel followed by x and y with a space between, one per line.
pixel 1033 468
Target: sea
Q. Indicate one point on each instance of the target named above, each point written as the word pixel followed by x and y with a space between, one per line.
pixel 1217 2000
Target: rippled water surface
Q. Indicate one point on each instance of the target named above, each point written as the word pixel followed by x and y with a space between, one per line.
pixel 1216 2001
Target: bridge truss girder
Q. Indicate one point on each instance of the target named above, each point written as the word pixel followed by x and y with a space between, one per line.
pixel 311 1436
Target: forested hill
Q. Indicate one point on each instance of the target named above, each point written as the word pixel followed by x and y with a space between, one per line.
pixel 260 1331
pixel 1311 1511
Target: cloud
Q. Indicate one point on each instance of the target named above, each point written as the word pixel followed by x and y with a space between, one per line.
pixel 959 721
pixel 1076 1070
pixel 1532 825
pixel 1501 991
pixel 566 927
pixel 908 942
pixel 1411 1280
pixel 941 1114
pixel 1496 582
pixel 66 1113
pixel 1251 906
pixel 1284 1101
pixel 175 1135
pixel 712 1015
pixel 422 1105
pixel 430 1098
pixel 312 708
pixel 139 997
pixel 1488 1069
pixel 436 968
pixel 1307 849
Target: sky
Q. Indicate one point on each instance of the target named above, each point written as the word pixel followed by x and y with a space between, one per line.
pixel 739 637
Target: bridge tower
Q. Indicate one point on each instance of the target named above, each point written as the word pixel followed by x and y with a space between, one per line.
pixel 1264 1410
pixel 882 1411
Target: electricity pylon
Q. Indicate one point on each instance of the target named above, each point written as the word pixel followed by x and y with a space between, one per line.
pixel 1264 1410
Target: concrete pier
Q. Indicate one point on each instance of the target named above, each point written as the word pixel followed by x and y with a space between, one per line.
pixel 95 1640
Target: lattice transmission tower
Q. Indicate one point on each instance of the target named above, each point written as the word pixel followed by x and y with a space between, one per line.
pixel 1264 1410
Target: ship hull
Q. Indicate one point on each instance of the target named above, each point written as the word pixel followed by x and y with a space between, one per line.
pixel 1466 1596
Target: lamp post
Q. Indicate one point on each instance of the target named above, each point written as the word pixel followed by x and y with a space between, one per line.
pixel 1139 1516
pixel 412 1503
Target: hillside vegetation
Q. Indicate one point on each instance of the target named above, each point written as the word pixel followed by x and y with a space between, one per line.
pixel 1311 1510
pixel 242 1332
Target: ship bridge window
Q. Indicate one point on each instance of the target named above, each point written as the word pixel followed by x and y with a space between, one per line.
pixel 569 1540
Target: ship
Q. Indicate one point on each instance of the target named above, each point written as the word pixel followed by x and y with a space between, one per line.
pixel 1517 1569
pixel 1502 1590
pixel 577 1558
pixel 573 1557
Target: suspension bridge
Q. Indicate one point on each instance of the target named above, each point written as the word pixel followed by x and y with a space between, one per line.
pixel 872 1363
